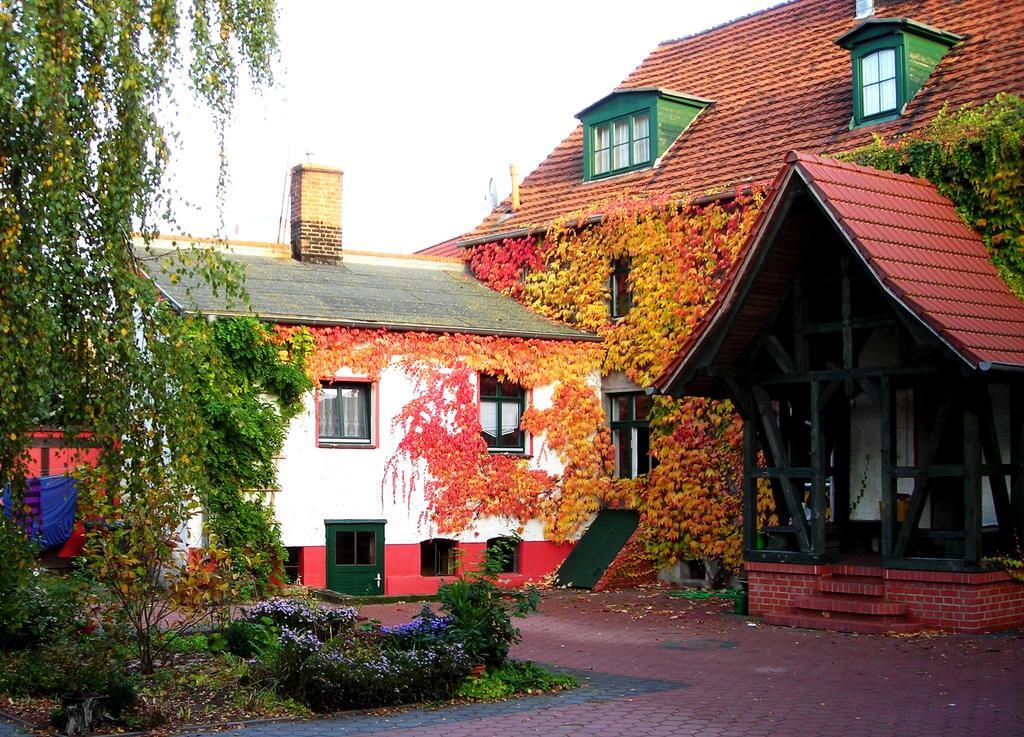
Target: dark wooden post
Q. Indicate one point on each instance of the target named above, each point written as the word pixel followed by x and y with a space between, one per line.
pixel 887 456
pixel 972 485
pixel 1017 461
pixel 817 472
pixel 749 483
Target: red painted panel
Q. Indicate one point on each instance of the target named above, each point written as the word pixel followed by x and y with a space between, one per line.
pixel 313 565
pixel 542 557
pixel 471 555
pixel 402 565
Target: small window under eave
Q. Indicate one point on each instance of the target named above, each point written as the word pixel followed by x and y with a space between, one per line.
pixel 629 130
pixel 892 59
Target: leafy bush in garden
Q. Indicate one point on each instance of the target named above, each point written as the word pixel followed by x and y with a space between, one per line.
pixel 48 608
pixel 248 639
pixel 321 659
pixel 480 612
pixel 78 666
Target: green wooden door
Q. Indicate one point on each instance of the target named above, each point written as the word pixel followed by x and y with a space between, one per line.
pixel 355 556
pixel 598 547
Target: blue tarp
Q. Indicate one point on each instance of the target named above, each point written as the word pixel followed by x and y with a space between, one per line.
pixel 58 501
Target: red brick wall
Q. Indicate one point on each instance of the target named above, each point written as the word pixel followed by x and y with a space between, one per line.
pixel 959 602
pixel 772 587
pixel 956 602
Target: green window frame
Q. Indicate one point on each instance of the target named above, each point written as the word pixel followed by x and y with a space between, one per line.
pixel 879 82
pixel 621 144
pixel 345 413
pixel 620 297
pixel 631 433
pixel 870 63
pixel 892 59
pixel 502 404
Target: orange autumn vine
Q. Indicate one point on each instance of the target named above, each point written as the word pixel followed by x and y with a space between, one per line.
pixel 442 454
pixel 679 256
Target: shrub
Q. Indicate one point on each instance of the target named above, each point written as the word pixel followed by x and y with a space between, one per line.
pixel 480 613
pixel 48 608
pixel 336 679
pixel 299 616
pixel 249 639
pixel 82 666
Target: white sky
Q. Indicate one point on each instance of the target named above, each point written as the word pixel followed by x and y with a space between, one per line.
pixel 421 104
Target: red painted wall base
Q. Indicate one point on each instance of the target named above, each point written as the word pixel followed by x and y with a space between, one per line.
pixel 402 566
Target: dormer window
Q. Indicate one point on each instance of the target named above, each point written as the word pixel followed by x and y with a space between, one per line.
pixel 628 130
pixel 622 143
pixel 878 82
pixel 892 59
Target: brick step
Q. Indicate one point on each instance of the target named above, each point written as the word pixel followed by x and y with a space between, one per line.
pixel 860 585
pixel 857 623
pixel 851 604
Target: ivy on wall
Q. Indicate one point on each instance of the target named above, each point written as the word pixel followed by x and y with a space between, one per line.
pixel 679 256
pixel 442 454
pixel 249 387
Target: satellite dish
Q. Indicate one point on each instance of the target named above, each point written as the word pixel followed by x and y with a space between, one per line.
pixel 492 193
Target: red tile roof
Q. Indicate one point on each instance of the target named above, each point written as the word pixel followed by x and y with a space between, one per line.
pixel 924 254
pixel 779 83
pixel 447 249
pixel 916 246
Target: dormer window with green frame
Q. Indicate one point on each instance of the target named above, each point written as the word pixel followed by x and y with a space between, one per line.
pixel 630 129
pixel 892 59
pixel 623 143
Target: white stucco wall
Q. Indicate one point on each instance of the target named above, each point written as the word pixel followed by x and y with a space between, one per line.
pixel 335 483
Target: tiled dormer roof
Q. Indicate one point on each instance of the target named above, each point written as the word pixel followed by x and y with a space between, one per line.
pixel 779 82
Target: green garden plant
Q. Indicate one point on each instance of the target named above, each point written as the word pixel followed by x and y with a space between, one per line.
pixel 480 612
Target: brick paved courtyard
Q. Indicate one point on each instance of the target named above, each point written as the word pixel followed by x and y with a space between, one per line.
pixel 654 666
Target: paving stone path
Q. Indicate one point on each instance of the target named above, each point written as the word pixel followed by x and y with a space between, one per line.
pixel 653 666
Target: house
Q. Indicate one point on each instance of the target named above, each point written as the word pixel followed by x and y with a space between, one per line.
pixel 425 440
pixel 707 121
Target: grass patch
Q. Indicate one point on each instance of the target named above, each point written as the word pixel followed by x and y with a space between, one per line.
pixel 514 678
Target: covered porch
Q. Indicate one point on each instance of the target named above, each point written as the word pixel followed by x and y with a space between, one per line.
pixel 876 359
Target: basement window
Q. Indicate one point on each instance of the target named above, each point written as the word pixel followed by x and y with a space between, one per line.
pixel 438 557
pixel 509 550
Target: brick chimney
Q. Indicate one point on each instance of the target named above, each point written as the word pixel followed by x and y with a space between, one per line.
pixel 316 213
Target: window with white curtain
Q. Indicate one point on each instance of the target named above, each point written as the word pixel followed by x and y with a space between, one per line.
pixel 501 409
pixel 344 413
pixel 878 82
pixel 641 138
pixel 621 143
pixel 620 152
pixel 602 149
